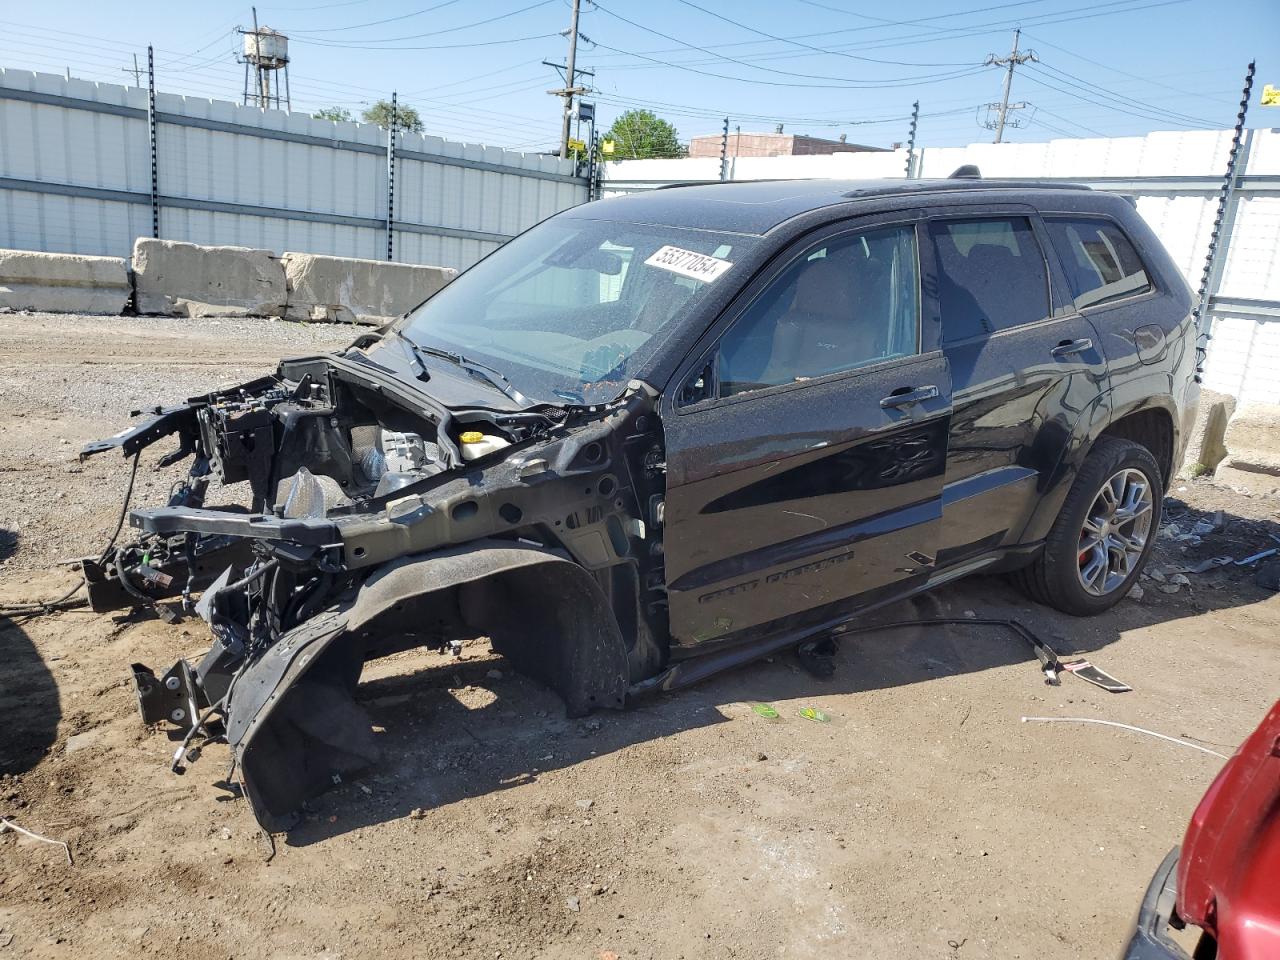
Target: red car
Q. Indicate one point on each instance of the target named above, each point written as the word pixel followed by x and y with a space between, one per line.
pixel 1226 877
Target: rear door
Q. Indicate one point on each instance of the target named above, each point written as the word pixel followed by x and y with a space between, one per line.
pixel 1024 366
pixel 806 442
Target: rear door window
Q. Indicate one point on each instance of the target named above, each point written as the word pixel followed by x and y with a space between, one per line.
pixel 991 275
pixel 1100 261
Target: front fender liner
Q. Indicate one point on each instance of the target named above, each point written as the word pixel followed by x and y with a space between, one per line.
pixel 293 722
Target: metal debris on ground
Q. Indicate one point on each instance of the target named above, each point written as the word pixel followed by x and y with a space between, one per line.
pixel 1126 726
pixel 1099 678
pixel 1245 561
pixel 1050 665
pixel 6 825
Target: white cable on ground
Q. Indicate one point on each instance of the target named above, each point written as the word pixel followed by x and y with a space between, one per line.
pixel 10 825
pixel 1125 726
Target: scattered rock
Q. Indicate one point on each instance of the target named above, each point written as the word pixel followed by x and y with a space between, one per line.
pixel 1156 574
pixel 970 614
pixel 226 833
pixel 760 757
pixel 417 813
pixel 572 904
pixel 584 804
pixel 82 740
pixel 1136 592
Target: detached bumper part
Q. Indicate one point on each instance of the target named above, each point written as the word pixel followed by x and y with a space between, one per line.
pixel 170 698
pixel 1150 939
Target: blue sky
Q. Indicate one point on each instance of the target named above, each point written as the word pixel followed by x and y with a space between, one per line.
pixel 825 67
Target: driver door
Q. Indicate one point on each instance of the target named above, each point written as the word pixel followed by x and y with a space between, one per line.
pixel 806 445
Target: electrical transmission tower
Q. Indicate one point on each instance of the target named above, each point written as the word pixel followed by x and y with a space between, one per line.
pixel 1002 108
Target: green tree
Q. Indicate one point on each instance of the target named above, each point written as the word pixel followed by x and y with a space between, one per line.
pixel 641 134
pixel 340 114
pixel 380 113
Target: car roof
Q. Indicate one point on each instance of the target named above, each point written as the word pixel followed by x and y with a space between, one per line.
pixel 757 206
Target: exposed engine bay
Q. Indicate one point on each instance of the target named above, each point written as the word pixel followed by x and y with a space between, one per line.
pixel 378 519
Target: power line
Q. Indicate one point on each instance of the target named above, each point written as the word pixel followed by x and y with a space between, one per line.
pixel 431 33
pixel 375 23
pixel 442 46
pixel 950 33
pixel 1075 123
pixel 1119 97
pixel 1133 76
pixel 821 50
pixel 847 83
pixel 1111 106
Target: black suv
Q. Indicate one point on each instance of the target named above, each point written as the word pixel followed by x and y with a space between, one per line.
pixel 663 434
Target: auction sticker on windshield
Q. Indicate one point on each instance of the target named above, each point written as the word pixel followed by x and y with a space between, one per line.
pixel 689 263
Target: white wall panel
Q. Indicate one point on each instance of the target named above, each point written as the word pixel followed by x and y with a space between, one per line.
pixel 67 146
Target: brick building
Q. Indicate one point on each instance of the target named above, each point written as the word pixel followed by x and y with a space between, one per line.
pixel 776 144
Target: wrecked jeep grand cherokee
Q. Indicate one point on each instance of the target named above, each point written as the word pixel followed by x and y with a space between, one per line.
pixel 659 435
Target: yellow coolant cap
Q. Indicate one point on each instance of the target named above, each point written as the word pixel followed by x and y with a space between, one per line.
pixel 471 436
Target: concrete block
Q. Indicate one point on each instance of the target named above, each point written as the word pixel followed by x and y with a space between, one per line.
pixel 62 282
pixel 190 280
pixel 1206 446
pixel 1253 439
pixel 357 291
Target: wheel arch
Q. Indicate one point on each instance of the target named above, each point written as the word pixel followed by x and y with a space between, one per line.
pixel 1150 422
pixel 294 723
pixel 1149 425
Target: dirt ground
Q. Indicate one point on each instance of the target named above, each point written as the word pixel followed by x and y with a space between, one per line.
pixel 924 819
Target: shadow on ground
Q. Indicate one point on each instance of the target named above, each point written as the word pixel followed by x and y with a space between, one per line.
pixel 438 749
pixel 29 704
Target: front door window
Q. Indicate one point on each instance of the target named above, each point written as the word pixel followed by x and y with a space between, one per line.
pixel 849 302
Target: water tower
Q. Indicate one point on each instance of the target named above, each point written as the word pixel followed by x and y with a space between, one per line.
pixel 265 57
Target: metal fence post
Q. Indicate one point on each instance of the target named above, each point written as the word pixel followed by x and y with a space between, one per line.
pixel 1224 220
pixel 151 130
pixel 391 179
pixel 724 151
pixel 911 138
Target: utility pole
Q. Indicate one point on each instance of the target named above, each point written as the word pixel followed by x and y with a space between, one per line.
pixel 1013 60
pixel 569 89
pixel 136 71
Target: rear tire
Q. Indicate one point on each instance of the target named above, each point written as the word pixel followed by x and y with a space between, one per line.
pixel 1104 533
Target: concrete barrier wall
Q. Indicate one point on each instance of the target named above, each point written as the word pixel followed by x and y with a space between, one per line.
pixel 62 282
pixel 190 280
pixel 364 291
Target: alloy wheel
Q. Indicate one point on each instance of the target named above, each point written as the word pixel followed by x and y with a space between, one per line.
pixel 1115 531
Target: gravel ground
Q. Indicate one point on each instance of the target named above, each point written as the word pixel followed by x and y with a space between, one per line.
pixel 924 820
pixel 69 379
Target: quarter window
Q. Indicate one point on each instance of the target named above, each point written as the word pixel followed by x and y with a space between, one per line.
pixel 991 276
pixel 851 301
pixel 1100 261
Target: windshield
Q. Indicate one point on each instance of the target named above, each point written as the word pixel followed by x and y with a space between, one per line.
pixel 570 310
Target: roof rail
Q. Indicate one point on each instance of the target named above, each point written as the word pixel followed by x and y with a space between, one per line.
pixel 969 171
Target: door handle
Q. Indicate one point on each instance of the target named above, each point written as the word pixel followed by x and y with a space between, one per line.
pixel 905 396
pixel 1068 348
